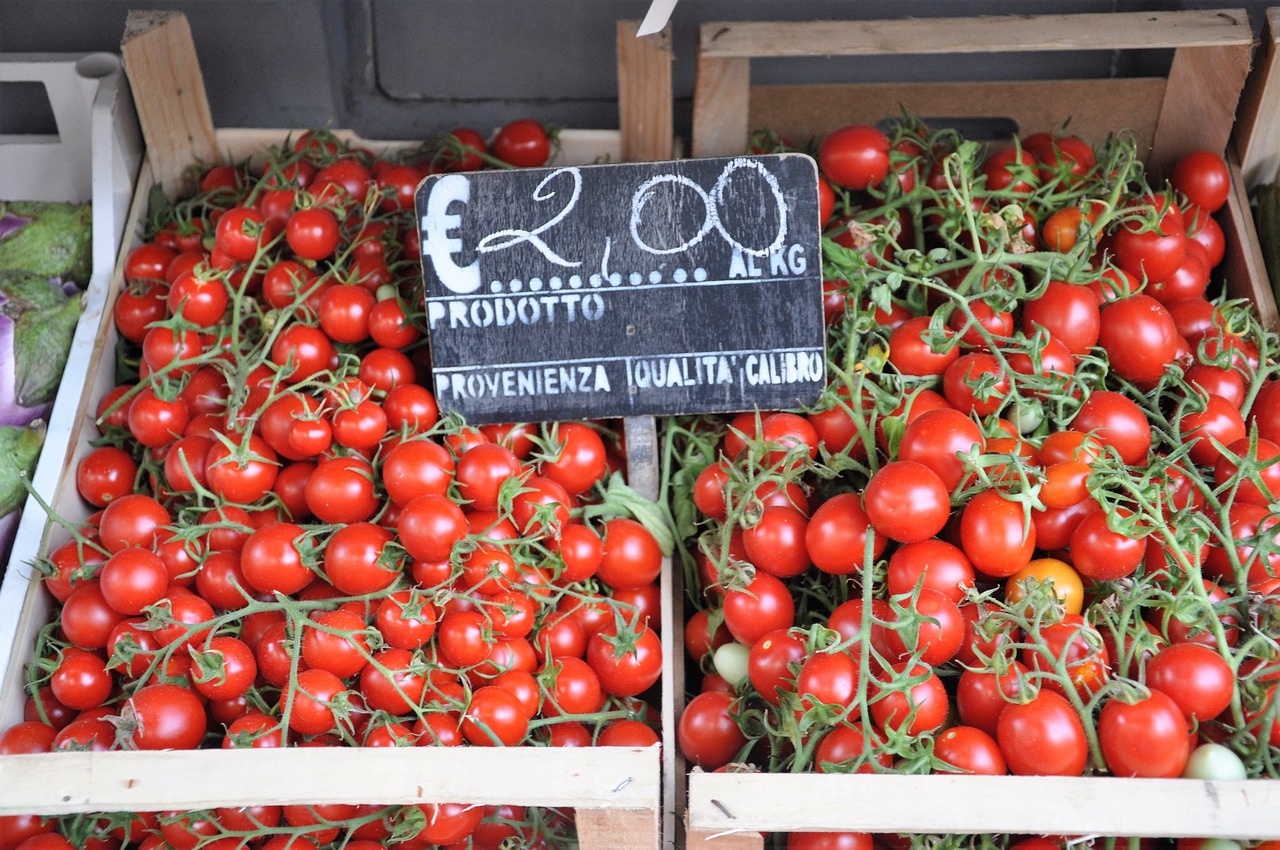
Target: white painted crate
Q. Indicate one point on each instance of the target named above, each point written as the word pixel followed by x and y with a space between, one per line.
pixel 94 156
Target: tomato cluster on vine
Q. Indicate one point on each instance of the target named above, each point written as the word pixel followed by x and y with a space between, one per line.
pixel 291 546
pixel 1029 528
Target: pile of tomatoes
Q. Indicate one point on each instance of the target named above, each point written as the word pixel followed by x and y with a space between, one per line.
pixel 292 547
pixel 1030 526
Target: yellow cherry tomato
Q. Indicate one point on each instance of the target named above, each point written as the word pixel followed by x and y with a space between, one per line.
pixel 1067 585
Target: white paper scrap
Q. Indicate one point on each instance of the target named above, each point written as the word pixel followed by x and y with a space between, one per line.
pixel 656 18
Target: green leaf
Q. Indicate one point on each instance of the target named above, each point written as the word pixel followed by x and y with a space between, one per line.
pixel 620 500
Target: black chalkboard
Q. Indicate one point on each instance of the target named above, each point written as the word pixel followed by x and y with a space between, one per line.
pixel 692 286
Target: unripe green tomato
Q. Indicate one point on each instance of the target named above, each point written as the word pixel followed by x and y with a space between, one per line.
pixel 1220 844
pixel 1214 761
pixel 1026 415
pixel 730 662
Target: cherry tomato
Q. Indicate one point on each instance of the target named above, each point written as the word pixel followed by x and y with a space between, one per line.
pixel 854 157
pixel 165 717
pixel 907 501
pixel 1139 336
pixel 966 749
pixel 1147 737
pixel 836 536
pixel 761 606
pixel 522 143
pixel 913 709
pixel 1203 177
pixel 708 735
pixel 996 535
pixel 1043 737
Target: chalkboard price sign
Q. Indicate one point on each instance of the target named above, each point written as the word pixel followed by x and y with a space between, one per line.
pixel 692 286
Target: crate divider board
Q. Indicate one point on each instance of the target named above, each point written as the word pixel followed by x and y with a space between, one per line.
pixel 645 110
pixel 1192 109
pixel 151 781
pixel 616 791
pixel 722 803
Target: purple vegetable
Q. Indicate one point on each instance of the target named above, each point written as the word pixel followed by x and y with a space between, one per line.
pixel 11 412
pixel 11 224
pixel 37 321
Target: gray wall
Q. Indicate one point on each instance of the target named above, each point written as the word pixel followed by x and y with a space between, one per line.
pixel 406 68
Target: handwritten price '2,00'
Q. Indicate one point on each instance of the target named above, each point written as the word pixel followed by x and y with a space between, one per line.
pixel 440 222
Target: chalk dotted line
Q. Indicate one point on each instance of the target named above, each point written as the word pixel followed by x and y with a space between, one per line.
pixel 614 280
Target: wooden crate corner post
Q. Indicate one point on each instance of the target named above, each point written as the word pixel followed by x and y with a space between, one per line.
pixel 173 106
pixel 1208 73
pixel 721 98
pixel 645 111
pixel 1257 126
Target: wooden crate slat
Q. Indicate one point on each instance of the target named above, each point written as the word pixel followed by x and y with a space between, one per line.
pixel 1200 102
pixel 1257 130
pixel 173 107
pixel 976 804
pixel 720 101
pixel 703 839
pixel 645 110
pixel 617 829
pixel 1245 268
pixel 978 34
pixel 593 778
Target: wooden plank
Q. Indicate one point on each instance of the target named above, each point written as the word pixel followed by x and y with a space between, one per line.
pixel 1243 264
pixel 977 34
pixel 643 475
pixel 641 437
pixel 645 111
pixel 806 112
pixel 1200 101
pixel 618 829
pixel 645 121
pixel 720 101
pixel 1257 130
pixel 1096 805
pixel 702 839
pixel 674 769
pixel 168 89
pixel 588 778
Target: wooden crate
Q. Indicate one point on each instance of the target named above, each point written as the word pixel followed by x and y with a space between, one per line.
pixel 616 792
pixel 1192 108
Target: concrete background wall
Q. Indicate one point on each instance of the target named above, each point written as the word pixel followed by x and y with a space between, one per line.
pixel 407 68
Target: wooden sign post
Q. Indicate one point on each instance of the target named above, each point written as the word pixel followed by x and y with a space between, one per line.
pixel 628 291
